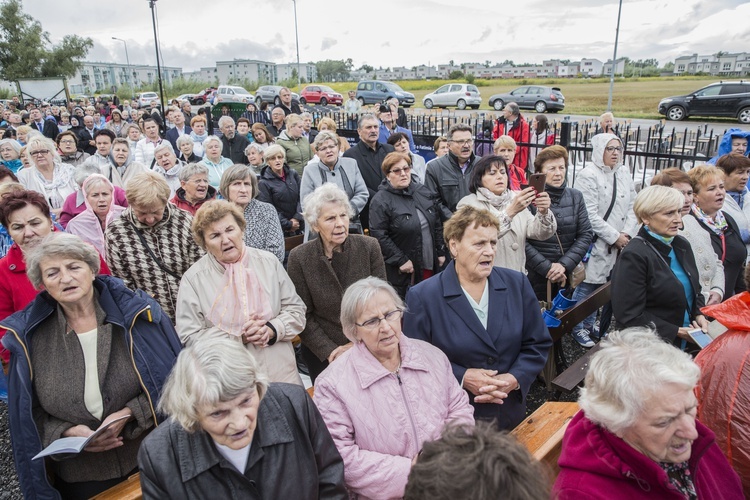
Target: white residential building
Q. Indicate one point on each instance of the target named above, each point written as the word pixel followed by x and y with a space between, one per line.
pixel 591 67
pixel 308 71
pixel 719 64
pixel 93 77
pixel 240 70
pixel 619 67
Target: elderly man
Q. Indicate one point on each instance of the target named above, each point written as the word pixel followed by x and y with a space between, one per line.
pixel 607 123
pixel 369 154
pixel 352 107
pixel 277 121
pixel 86 136
pixel 447 177
pixel 514 124
pixel 144 149
pixel 167 164
pixel 180 128
pixel 194 188
pixel 307 131
pixel 48 128
pixel 103 140
pixel 234 143
pixel 402 120
pixel 388 126
pixel 187 111
pixel 287 105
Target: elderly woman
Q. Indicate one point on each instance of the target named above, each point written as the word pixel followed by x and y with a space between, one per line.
pixel 485 319
pixel 75 203
pixel 333 168
pixel 636 436
pixel 100 211
pixel 116 123
pixel 213 161
pixel 296 145
pixel 323 268
pixel 262 135
pixel 400 143
pixel 280 186
pixel 655 280
pixel 489 190
pixel 505 148
pixel 254 155
pixel 115 347
pixel 239 291
pixel 132 132
pixel 186 145
pixel 167 164
pixel 47 174
pixel 327 124
pixel 194 189
pixel 726 239
pixel 555 258
pixel 150 246
pixel 236 433
pixel 736 168
pixel 262 227
pixel 407 223
pixel 10 153
pixel 22 133
pixel 710 267
pixel 407 381
pixel 124 166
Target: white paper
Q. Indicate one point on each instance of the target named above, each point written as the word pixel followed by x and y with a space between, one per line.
pixel 75 444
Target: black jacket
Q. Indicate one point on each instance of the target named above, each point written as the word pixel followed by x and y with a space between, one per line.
pixel 645 290
pixel 447 183
pixel 574 230
pixel 369 162
pixel 49 128
pixel 294 108
pixel 292 455
pixel 395 224
pixel 234 148
pixel 84 136
pixel 283 195
pixel 735 253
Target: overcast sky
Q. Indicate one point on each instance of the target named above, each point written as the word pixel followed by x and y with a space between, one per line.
pixel 387 33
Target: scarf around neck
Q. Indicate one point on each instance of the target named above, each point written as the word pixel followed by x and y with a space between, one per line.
pixel 497 201
pixel 718 224
pixel 198 138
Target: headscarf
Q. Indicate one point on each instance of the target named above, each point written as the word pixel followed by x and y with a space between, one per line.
pixel 87 224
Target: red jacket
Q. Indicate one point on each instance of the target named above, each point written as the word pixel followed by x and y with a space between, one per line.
pixel 180 201
pixel 520 134
pixel 724 388
pixel 595 463
pixel 16 291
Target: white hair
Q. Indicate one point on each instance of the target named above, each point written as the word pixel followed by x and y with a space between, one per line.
pixel 192 169
pixel 59 245
pixel 162 146
pixel 210 139
pixel 630 367
pixel 357 296
pixel 654 199
pixel 225 119
pixel 327 193
pixel 184 139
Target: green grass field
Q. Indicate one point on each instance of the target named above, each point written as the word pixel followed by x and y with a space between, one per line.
pixel 632 98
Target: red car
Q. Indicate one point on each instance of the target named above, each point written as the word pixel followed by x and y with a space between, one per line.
pixel 320 94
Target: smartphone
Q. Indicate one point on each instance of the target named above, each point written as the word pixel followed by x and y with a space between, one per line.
pixel 537 181
pixel 700 337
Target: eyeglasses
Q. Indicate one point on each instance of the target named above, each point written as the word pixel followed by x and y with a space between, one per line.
pixel 399 171
pixel 391 317
pixel 612 149
pixel 39 152
pixel 465 142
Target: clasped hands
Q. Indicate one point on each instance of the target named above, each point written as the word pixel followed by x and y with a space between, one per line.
pixel 488 386
pixel 255 331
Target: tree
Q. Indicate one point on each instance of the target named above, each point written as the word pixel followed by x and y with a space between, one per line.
pixel 470 79
pixel 26 50
pixel 366 68
pixel 330 70
pixel 487 63
pixel 456 75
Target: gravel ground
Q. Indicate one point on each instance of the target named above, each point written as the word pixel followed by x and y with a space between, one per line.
pixel 9 488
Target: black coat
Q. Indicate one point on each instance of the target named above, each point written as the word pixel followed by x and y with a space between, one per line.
pixel 292 455
pixel 395 224
pixel 734 258
pixel 574 231
pixel 370 163
pixel 283 195
pixel 645 290
pixel 447 183
pixel 49 128
pixel 234 148
pixel 84 136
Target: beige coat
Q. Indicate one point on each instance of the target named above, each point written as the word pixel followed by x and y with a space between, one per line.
pixel 199 287
pixel 511 247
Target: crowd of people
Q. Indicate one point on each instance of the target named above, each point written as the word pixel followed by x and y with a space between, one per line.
pixel 148 260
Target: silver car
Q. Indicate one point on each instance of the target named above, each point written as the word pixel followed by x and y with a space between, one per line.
pixel 231 93
pixel 270 94
pixel 460 95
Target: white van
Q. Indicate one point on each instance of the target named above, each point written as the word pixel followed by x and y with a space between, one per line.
pixel 230 93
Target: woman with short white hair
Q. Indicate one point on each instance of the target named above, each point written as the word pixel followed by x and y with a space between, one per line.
pixel 235 434
pixel 213 160
pixel 187 152
pixel 636 435
pixel 279 185
pixel 254 155
pixel 47 174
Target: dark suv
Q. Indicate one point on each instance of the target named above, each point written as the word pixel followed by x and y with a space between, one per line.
pixel 717 99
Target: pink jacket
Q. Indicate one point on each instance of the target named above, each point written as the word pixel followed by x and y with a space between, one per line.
pixel 379 420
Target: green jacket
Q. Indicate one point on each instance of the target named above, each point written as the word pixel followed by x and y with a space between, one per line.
pixel 298 151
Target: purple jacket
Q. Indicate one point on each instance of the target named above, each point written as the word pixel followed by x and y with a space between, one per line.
pixel 379 420
pixel 595 463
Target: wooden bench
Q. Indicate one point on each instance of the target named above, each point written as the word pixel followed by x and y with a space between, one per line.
pixel 127 490
pixel 542 432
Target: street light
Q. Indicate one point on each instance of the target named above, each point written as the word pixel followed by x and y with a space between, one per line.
pixel 296 36
pixel 614 60
pixel 127 59
pixel 152 5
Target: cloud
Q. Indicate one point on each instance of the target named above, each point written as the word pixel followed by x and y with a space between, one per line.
pixel 485 34
pixel 327 43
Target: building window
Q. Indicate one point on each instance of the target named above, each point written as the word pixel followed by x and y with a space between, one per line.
pixel 727 66
pixel 681 67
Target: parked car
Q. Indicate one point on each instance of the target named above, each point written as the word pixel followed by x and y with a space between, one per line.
pixel 374 91
pixel 534 97
pixel 270 94
pixel 320 94
pixel 717 99
pixel 459 95
pixel 184 97
pixel 145 98
pixel 232 93
pixel 202 97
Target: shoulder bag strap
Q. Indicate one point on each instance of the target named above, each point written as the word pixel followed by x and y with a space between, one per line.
pixel 151 253
pixel 609 209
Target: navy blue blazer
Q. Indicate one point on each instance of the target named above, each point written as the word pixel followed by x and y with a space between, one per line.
pixel 516 340
pixel 173 134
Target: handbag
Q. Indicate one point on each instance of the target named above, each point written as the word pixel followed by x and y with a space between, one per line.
pixel 578 274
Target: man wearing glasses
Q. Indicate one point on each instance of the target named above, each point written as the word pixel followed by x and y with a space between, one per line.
pixel 448 177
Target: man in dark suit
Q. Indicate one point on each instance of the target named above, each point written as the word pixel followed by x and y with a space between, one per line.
pixel 233 143
pixel 177 118
pixel 86 141
pixel 48 128
pixel 369 154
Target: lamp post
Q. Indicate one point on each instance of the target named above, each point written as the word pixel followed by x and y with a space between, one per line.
pixel 614 60
pixel 152 5
pixel 296 37
pixel 127 59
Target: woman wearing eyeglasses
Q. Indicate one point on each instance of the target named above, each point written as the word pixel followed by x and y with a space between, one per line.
pixel 387 395
pixel 47 174
pixel 407 224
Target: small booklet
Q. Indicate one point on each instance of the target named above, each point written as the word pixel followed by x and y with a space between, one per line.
pixel 75 444
pixel 700 337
